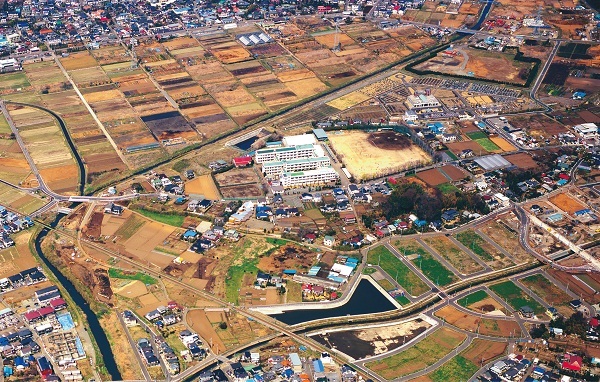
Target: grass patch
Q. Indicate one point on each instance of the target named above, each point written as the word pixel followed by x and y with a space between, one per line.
pixel 480 295
pixel 14 81
pixel 458 369
pixel 433 269
pixel 448 188
pixel 549 292
pixel 477 135
pixel 130 227
pixel 423 354
pixel 234 278
pixel 386 284
pixel 119 274
pixel 166 218
pixel 4 127
pixel 369 271
pixel 487 144
pixel 516 297
pixel 293 291
pixel 451 155
pixel 397 269
pixel 276 242
pixel 475 243
pixel 181 165
pixel 402 300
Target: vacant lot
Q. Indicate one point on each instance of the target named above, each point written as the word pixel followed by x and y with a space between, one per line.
pixel 485 326
pixel 432 268
pixel 484 350
pixel 566 203
pixel 549 292
pixel 509 240
pixel 369 155
pixel 522 160
pixel 516 297
pixel 483 249
pixel 397 270
pixel 423 354
pixel 455 256
pixel 458 369
pixel 432 177
pixel 203 185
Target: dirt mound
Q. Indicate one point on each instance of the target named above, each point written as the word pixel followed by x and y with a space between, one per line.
pixel 487 308
pixel 389 140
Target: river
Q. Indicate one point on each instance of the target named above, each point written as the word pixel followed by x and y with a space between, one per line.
pixel 93 323
pixel 483 15
pixel 365 299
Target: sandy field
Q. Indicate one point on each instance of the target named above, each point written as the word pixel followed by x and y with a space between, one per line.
pixel 503 144
pixel 364 160
pixel 203 185
pixel 134 289
pixel 112 223
pixel 492 327
pixel 566 203
pixel 78 61
pixel 146 239
pixel 199 322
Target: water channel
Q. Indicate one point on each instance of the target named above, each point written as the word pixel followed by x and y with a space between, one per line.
pixel 365 299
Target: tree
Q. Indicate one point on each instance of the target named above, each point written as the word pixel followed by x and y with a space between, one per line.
pixel 223 325
pixel 539 331
pixel 576 324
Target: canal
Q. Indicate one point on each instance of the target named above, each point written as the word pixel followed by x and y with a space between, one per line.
pixel 365 299
pixel 93 323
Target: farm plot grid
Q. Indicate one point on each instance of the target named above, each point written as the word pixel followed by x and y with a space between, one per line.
pixel 482 248
pixel 516 297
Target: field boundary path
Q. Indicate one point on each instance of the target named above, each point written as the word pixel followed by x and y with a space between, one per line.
pixel 496 245
pixel 89 109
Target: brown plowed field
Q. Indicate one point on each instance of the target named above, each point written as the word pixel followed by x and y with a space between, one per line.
pixel 454 172
pixel 566 203
pixel 487 326
pixel 522 160
pixel 432 177
pixel 483 351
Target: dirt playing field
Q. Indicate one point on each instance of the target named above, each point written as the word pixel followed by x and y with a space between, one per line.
pixel 566 203
pixel 203 185
pixel 370 155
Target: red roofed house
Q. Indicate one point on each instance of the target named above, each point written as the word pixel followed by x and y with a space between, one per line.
pixel 564 176
pixel 242 161
pixel 46 311
pixel 594 322
pixel 32 316
pixel 572 362
pixel 58 304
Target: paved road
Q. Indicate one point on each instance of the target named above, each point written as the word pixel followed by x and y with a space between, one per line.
pixel 133 345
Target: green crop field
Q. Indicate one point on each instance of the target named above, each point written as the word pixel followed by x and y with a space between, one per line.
pixel 448 188
pixel 131 226
pixel 433 269
pixel 480 295
pixel 13 81
pixel 477 135
pixel 458 369
pixel 423 354
pixel 487 144
pixel 397 270
pixel 516 297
